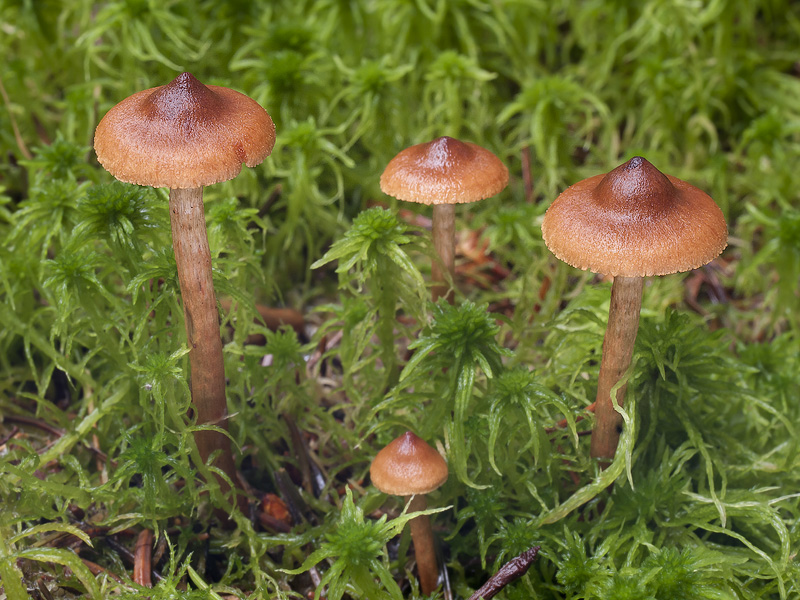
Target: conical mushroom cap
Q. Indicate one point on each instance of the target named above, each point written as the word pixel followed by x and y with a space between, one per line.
pixel 406 466
pixel 635 221
pixel 444 171
pixel 183 135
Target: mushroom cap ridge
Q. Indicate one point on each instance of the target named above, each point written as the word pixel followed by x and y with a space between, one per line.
pixel 183 135
pixel 444 171
pixel 635 222
pixel 406 466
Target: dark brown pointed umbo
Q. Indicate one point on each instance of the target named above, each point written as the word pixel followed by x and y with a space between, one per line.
pixel 444 172
pixel 633 222
pixel 186 135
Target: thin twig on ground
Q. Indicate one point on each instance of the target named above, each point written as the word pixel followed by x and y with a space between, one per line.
pixel 511 571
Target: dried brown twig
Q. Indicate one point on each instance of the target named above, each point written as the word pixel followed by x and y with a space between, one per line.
pixel 511 571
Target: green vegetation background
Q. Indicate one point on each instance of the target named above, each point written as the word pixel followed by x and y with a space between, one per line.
pixel 705 499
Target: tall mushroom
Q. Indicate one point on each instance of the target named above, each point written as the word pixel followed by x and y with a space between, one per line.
pixel 408 466
pixel 185 135
pixel 630 223
pixel 444 172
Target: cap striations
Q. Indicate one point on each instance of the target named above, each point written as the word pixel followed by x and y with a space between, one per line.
pixel 444 171
pixel 183 135
pixel 635 221
pixel 408 465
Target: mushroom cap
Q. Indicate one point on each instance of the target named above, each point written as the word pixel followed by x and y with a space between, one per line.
pixel 406 466
pixel 444 171
pixel 183 135
pixel 635 221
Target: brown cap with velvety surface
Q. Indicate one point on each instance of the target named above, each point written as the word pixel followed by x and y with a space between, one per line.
pixel 635 221
pixel 406 466
pixel 444 171
pixel 183 135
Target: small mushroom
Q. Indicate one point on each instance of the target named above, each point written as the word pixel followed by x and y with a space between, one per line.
pixel 185 135
pixel 444 172
pixel 408 466
pixel 630 223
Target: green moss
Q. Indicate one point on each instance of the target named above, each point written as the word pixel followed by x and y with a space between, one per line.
pixel 92 344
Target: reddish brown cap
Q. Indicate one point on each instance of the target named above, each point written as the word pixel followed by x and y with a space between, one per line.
pixel 444 171
pixel 635 221
pixel 406 466
pixel 183 135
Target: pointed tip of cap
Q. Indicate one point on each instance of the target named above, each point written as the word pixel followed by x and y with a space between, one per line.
pixel 636 181
pixel 186 78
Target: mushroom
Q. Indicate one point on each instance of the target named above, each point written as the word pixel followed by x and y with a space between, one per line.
pixel 444 172
pixel 408 466
pixel 185 135
pixel 630 223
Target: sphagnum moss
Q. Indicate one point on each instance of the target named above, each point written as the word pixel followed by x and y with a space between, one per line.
pixel 459 339
pixel 374 249
pixel 357 547
pixel 707 87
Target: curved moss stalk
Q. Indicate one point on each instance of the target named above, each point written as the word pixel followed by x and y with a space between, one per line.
pixel 387 308
pixel 464 385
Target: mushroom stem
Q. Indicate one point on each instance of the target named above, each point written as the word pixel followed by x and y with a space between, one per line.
pixel 193 261
pixel 623 324
pixel 444 241
pixel 422 536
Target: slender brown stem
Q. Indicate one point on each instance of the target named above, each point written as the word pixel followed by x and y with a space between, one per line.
pixel 96 569
pixel 623 324
pixel 193 260
pixel 143 558
pixel 444 240
pixel 3 441
pixel 33 422
pixel 424 550
pixel 274 318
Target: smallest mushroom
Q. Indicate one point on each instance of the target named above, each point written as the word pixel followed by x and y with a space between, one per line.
pixel 408 466
pixel 444 172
